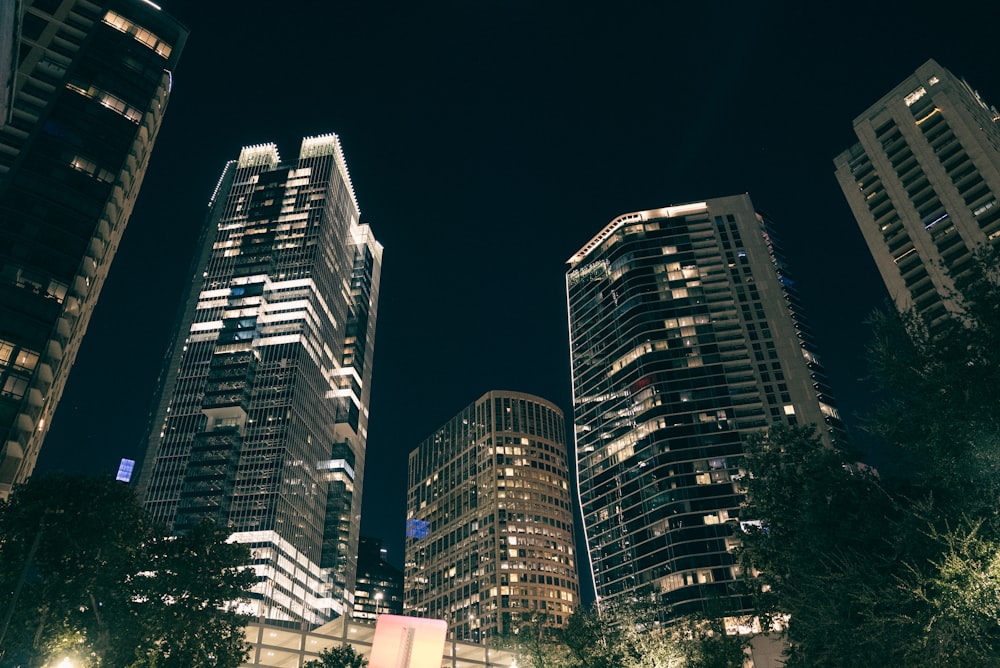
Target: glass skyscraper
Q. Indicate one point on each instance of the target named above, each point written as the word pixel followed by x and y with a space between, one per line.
pixel 923 182
pixel 686 336
pixel 262 420
pixel 489 528
pixel 83 89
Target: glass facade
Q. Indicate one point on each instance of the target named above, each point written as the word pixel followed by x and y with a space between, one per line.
pixel 379 587
pixel 490 520
pixel 262 421
pixel 79 120
pixel 922 182
pixel 686 335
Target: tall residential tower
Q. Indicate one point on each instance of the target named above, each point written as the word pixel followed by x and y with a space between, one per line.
pixel 685 336
pixel 82 95
pixel 923 183
pixel 262 421
pixel 489 536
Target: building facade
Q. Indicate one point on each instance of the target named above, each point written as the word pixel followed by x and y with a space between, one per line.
pixel 489 529
pixel 685 336
pixel 279 647
pixel 263 413
pixel 90 84
pixel 379 584
pixel 923 182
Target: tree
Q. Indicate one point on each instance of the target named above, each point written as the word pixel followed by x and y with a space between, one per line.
pixel 84 573
pixel 67 544
pixel 901 570
pixel 626 634
pixel 338 657
pixel 537 644
pixel 814 538
pixel 184 603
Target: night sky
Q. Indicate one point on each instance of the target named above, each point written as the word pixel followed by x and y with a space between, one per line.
pixel 487 142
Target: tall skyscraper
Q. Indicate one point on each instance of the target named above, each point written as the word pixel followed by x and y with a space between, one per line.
pixel 90 84
pixel 922 182
pixel 489 528
pixel 685 336
pixel 263 415
pixel 379 588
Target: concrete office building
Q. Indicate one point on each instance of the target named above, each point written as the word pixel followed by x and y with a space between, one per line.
pixel 922 182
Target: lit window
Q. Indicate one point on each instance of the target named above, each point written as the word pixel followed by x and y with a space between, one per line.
pixel 6 350
pixel 789 409
pixel 914 96
pixel 26 360
pixel 89 167
pixel 14 386
pixel 140 34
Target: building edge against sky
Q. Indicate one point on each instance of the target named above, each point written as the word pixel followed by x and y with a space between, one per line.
pixel 263 410
pixel 490 519
pixel 922 182
pixel 92 83
pixel 686 335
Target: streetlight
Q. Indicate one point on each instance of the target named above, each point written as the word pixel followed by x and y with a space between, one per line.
pixel 65 663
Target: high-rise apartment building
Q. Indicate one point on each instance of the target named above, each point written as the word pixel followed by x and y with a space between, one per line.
pixel 489 529
pixel 685 336
pixel 379 586
pixel 263 415
pixel 923 182
pixel 91 82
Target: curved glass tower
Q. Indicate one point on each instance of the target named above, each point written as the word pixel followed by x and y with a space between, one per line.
pixel 685 336
pixel 490 520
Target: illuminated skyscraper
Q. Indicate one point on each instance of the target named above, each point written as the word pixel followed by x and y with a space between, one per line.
pixel 85 84
pixel 923 183
pixel 685 336
pixel 489 519
pixel 262 420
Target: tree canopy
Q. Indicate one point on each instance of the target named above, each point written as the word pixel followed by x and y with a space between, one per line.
pixel 901 569
pixel 84 574
pixel 624 634
pixel 343 656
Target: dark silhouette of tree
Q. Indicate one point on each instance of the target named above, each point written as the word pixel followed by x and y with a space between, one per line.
pixel 902 570
pixel 625 634
pixel 338 657
pixel 83 573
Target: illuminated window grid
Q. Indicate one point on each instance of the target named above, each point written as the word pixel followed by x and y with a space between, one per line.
pixel 492 487
pixel 677 353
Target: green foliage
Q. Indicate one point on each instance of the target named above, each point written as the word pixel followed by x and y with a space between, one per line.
pixel 184 605
pixel 905 570
pixel 338 657
pixel 819 554
pixel 83 573
pixel 625 635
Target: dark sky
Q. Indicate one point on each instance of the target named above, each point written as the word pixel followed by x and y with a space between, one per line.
pixel 487 142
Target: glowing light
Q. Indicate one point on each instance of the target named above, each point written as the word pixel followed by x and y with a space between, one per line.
pixel 614 225
pixel 935 111
pixel 914 96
